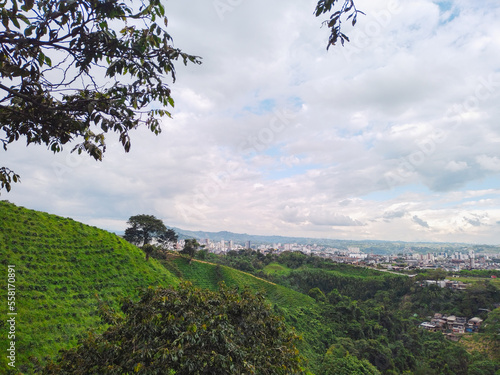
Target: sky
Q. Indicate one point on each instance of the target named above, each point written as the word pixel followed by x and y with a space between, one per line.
pixel 395 136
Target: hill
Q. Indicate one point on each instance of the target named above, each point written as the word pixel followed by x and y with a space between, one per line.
pixel 62 269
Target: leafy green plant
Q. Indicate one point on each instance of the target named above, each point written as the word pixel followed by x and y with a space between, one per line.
pixel 190 331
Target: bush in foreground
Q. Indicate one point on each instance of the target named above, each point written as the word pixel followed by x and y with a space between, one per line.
pixel 187 330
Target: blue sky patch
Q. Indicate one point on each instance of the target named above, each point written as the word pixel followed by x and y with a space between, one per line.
pixel 262 107
pixel 447 7
pixel 282 170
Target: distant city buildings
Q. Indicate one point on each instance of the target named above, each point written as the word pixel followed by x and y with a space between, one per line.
pixel 406 259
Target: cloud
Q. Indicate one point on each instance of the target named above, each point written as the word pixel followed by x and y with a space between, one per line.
pixel 333 220
pixel 420 222
pixel 489 163
pixel 389 215
pixel 473 221
pixel 455 166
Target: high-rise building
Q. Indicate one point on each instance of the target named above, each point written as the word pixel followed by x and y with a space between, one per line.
pixel 248 245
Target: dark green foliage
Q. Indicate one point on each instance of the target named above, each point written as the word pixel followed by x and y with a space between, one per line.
pixel 148 250
pixel 190 247
pixel 364 307
pixel 492 325
pixel 145 228
pixel 85 41
pixel 480 273
pixel 353 281
pixel 294 259
pixel 444 357
pixel 473 301
pixel 437 274
pixel 300 311
pixel 7 176
pixel 317 294
pixel 484 367
pixel 245 260
pixel 347 365
pixel 66 269
pixel 479 296
pixel 188 331
pixel 202 254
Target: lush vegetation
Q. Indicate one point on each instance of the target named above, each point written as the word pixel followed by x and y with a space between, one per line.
pixel 187 330
pixel 351 319
pixel 365 315
pixel 302 272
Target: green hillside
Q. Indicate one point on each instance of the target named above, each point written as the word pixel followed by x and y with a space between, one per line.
pixel 276 269
pixel 62 268
pixel 300 311
pixel 208 275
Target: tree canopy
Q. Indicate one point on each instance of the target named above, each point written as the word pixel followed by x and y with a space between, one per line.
pixel 190 247
pixel 145 228
pixel 492 325
pixel 72 71
pixel 187 331
pixel 347 365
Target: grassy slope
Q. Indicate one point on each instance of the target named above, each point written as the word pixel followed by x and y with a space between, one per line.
pixel 207 275
pixel 61 267
pixel 300 310
pixel 276 269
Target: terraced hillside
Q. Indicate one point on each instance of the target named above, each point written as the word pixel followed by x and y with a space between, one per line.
pixel 62 268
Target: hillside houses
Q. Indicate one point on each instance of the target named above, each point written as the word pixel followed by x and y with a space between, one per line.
pixel 452 325
pixel 450 284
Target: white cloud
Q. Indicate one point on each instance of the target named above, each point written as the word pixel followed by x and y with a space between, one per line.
pixel 489 163
pixel 455 166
